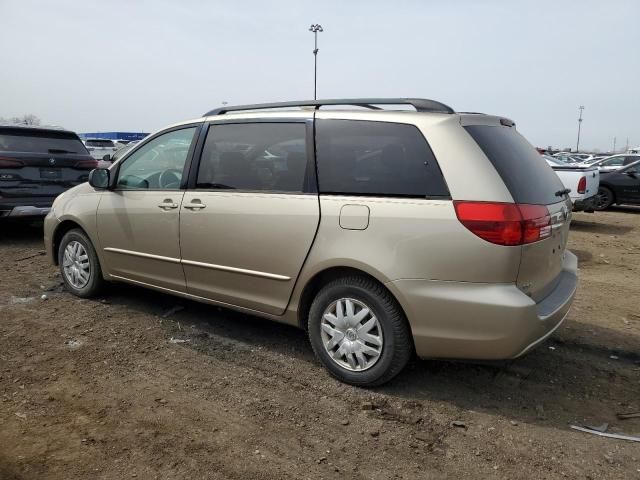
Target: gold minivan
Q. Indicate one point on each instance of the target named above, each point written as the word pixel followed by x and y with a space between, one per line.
pixel 382 232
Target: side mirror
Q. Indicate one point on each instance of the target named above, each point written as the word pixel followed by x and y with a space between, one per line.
pixel 99 178
pixel 632 174
pixel 107 158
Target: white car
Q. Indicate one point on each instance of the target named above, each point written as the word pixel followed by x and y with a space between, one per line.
pixel 615 162
pixel 582 181
pixel 99 147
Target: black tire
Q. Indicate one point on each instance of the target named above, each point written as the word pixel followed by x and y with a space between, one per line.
pixel 397 347
pixel 95 283
pixel 604 198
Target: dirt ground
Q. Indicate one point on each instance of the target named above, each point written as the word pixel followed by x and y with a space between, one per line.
pixel 101 390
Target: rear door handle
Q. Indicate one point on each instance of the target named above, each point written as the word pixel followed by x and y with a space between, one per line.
pixel 168 204
pixel 195 205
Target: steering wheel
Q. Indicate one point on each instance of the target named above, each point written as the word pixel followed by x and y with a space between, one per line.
pixel 170 178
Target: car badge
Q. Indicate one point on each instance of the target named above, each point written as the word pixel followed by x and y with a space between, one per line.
pixel 52 161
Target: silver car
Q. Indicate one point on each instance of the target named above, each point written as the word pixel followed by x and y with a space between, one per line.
pixel 383 233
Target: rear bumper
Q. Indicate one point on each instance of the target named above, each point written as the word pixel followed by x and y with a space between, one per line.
pixel 483 321
pixel 25 207
pixel 584 204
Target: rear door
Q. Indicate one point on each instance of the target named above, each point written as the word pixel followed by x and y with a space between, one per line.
pixel 247 225
pixel 627 184
pixel 530 181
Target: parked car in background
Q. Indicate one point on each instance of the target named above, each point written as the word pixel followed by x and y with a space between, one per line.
pixel 361 234
pixel 582 181
pixel 619 186
pixel 122 151
pixel 581 157
pixel 615 162
pixel 566 157
pixel 594 159
pixel 36 165
pixel 100 147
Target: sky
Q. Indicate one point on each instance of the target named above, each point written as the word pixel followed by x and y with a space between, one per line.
pixel 127 65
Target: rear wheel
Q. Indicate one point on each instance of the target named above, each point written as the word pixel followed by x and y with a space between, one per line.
pixel 604 198
pixel 358 331
pixel 79 264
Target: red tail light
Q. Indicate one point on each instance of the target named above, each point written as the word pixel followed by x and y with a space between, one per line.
pixel 6 162
pixel 582 185
pixel 505 223
pixel 86 164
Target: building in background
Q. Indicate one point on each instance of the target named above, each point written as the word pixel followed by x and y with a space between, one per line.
pixel 130 136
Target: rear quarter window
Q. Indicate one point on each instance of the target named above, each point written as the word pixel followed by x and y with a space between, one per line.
pixel 524 171
pixel 357 157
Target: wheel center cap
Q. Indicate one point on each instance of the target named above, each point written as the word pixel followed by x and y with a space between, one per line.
pixel 351 335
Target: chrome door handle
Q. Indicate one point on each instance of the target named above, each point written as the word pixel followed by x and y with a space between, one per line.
pixel 195 206
pixel 168 205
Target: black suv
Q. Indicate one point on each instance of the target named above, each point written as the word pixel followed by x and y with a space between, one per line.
pixel 36 165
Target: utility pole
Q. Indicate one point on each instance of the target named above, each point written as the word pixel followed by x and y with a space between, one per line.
pixel 614 144
pixel 579 126
pixel 315 28
pixel 627 146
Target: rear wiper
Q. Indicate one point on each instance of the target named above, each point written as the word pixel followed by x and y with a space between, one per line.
pixel 561 193
pixel 59 150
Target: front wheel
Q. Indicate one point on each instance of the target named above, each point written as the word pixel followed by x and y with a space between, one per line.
pixel 359 332
pixel 79 265
pixel 604 198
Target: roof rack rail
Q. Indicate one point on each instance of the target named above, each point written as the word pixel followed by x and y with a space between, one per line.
pixel 420 104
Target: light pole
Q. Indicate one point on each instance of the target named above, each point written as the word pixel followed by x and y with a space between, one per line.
pixel 579 126
pixel 315 28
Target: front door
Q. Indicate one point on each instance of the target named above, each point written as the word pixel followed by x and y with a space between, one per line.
pixel 247 226
pixel 138 221
pixel 627 183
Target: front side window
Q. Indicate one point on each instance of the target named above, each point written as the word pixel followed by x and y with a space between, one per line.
pixel 254 157
pixel 159 164
pixel 376 158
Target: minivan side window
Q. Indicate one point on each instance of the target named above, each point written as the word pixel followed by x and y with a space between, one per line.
pixel 358 157
pixel 254 157
pixel 159 164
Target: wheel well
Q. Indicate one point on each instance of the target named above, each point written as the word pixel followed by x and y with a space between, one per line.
pixel 63 228
pixel 613 193
pixel 319 280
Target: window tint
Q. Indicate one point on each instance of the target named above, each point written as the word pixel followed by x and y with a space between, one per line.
pixel 39 141
pixel 100 143
pixel 254 156
pixel 158 164
pixel 613 162
pixel 528 179
pixel 376 158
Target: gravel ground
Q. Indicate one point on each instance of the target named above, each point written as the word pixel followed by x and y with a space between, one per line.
pixel 140 384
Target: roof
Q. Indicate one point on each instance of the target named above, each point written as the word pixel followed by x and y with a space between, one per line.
pixel 420 105
pixel 42 128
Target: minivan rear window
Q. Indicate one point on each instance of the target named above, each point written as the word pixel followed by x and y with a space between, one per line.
pixel 39 141
pixel 358 157
pixel 524 171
